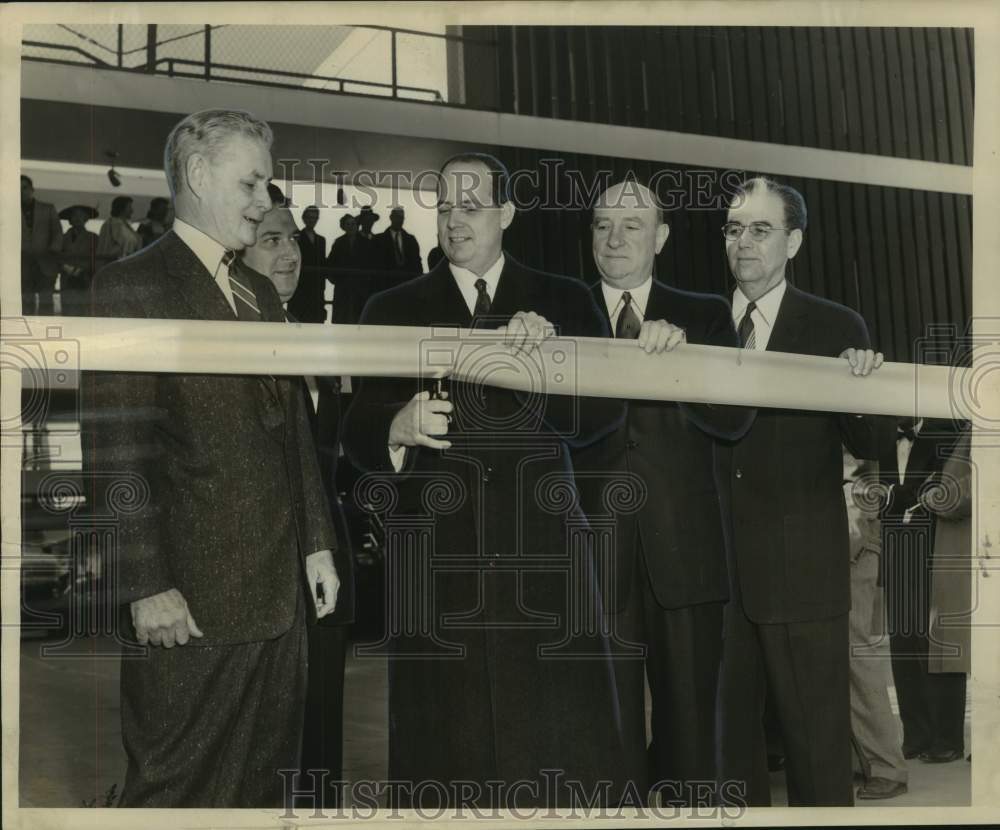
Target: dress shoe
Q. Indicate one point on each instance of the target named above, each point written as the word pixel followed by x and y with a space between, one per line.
pixel 909 752
pixel 941 756
pixel 881 788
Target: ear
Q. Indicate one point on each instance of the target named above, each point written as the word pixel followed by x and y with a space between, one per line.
pixel 196 173
pixel 662 232
pixel 506 214
pixel 794 242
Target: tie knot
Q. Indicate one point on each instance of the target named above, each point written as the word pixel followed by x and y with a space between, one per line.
pixel 626 298
pixel 228 257
pixel 751 307
pixel 480 285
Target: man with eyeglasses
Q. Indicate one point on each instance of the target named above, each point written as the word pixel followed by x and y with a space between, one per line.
pixel 665 583
pixel 502 689
pixel 786 632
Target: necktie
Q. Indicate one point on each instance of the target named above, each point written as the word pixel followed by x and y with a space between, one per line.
pixel 243 296
pixel 399 247
pixel 628 324
pixel 748 338
pixel 247 310
pixel 906 432
pixel 482 299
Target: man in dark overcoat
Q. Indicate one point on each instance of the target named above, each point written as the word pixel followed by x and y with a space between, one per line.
pixel 498 670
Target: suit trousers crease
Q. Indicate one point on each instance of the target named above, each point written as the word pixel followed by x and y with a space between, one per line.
pixel 221 740
pixel 802 668
pixel 683 650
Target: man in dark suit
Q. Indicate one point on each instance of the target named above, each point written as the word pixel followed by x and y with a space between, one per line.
pixel 497 685
pixel 229 516
pixel 786 630
pixel 307 305
pixel 666 581
pixel 41 244
pixel 399 248
pixel 931 706
pixel 276 255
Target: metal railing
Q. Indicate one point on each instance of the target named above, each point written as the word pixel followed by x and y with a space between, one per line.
pixel 124 48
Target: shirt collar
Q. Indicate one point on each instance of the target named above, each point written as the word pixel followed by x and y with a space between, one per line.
pixel 466 278
pixel 767 305
pixel 639 294
pixel 205 248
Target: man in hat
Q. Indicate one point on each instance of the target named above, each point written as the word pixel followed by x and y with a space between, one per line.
pixel 79 259
pixel 366 219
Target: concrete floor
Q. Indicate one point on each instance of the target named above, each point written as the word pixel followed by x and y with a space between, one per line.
pixel 71 752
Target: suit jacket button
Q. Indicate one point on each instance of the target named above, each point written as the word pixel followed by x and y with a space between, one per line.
pixel 739 473
pixel 630 444
pixel 487 473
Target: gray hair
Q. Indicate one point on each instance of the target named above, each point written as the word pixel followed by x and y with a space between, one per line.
pixel 205 132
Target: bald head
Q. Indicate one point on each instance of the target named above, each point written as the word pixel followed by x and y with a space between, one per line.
pixel 628 233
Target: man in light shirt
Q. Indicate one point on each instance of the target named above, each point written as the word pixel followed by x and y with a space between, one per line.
pixel 231 518
pixel 666 581
pixel 480 688
pixel 786 631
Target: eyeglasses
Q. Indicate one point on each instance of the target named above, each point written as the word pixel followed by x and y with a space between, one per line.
pixel 759 231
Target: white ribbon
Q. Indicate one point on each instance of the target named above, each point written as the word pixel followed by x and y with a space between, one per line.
pixel 51 349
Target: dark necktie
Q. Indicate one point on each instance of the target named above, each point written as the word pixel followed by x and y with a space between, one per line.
pixel 628 325
pixel 906 432
pixel 482 299
pixel 748 338
pixel 244 298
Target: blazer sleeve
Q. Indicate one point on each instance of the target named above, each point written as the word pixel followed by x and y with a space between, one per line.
pixel 728 423
pixel 581 420
pixel 860 433
pixel 376 403
pixel 316 531
pixel 121 446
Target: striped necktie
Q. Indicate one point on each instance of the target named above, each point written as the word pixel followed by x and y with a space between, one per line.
pixel 748 337
pixel 243 296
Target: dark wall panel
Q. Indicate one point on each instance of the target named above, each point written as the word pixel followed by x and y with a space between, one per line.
pixel 890 91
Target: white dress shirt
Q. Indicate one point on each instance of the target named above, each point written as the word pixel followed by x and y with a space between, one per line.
pixel 904 446
pixel 210 253
pixel 763 315
pixel 466 281
pixel 614 302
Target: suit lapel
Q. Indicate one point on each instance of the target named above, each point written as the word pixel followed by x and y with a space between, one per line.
pixel 515 292
pixel 194 283
pixel 598 294
pixel 788 328
pixel 447 305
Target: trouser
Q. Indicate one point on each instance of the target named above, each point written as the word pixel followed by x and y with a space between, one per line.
pixel 931 706
pixel 36 287
pixel 877 742
pixel 802 669
pixel 683 650
pixel 323 730
pixel 211 726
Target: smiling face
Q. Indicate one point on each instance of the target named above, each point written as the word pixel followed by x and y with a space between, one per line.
pixel 230 191
pixel 759 266
pixel 627 235
pixel 470 224
pixel 276 254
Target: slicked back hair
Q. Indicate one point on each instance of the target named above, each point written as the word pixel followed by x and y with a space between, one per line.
pixel 205 132
pixel 795 205
pixel 499 175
